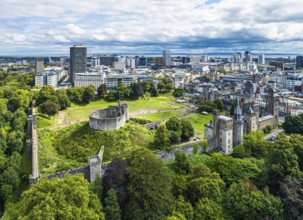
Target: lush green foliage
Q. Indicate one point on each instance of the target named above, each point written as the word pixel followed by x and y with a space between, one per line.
pixel 164 85
pixel 244 201
pixel 149 187
pixel 115 178
pixel 232 169
pixel 102 90
pixel 187 129
pixel 112 209
pixel 49 108
pixel 161 138
pixel 255 145
pixel 179 92
pixel 207 209
pixel 281 160
pixel 291 193
pixel 293 124
pixel 15 98
pixel 184 207
pixel 210 106
pixel 60 199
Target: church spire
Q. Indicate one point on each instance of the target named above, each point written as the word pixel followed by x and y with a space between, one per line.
pixel 238 112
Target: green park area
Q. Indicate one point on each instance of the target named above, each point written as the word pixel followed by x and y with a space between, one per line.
pixel 151 108
pixel 66 140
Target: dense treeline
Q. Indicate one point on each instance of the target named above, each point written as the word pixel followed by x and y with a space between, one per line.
pixel 172 132
pixel 293 124
pixel 210 106
pixel 261 181
pixel 213 187
pixel 15 98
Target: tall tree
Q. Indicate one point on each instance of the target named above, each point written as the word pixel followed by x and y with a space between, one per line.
pixel 88 94
pixel 232 169
pixel 149 187
pixel 204 184
pixel 174 124
pixel 181 163
pixel 255 144
pixel 179 92
pixel 112 209
pixel 62 99
pixel 244 201
pixel 146 86
pixel 207 209
pixel 64 198
pixel 184 207
pixel 219 104
pixel 115 177
pixel 102 90
pixel 297 142
pixel 137 89
pixel 291 193
pixel 187 129
pixel 49 108
pixel 161 86
pixel 122 91
pixel 44 94
pixel 161 139
pixel 281 160
pixel 153 90
pixel 168 87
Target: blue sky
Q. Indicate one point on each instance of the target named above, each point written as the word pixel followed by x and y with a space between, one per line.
pixel 36 27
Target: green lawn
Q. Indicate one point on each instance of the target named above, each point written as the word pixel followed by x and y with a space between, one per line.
pixel 198 121
pixel 43 121
pixel 140 106
pixel 158 116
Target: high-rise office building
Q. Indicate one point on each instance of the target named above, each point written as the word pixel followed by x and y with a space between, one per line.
pixel 77 63
pixel 107 60
pixel 299 62
pixel 261 60
pixel 248 56
pixel 166 58
pixel 39 65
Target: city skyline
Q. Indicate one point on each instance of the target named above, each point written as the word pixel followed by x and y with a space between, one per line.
pixel 115 26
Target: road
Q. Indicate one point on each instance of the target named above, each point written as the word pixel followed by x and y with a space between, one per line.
pixel 273 134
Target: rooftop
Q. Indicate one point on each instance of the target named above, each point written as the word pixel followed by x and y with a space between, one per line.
pixel 266 117
pixel 225 118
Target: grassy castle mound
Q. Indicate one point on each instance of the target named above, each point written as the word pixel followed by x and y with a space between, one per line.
pixel 71 146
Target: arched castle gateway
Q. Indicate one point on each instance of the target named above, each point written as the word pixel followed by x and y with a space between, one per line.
pixel 111 118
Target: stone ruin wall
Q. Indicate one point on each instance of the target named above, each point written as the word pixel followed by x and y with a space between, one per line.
pixel 99 120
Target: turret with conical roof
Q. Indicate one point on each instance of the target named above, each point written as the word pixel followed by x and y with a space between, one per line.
pixel 238 125
pixel 238 112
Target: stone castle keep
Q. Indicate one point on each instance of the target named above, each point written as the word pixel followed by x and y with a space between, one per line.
pixel 226 132
pixel 111 118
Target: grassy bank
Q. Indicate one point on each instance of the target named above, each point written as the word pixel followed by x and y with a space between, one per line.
pixel 69 147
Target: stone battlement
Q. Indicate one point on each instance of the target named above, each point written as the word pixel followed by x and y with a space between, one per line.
pixel 111 118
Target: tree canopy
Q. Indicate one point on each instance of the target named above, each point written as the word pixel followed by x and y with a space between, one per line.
pixel 60 199
pixel 149 187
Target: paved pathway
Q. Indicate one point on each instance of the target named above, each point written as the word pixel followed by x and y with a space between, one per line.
pixel 35 165
pixel 273 134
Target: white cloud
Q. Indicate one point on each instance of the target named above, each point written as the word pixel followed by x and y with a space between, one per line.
pixel 50 24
